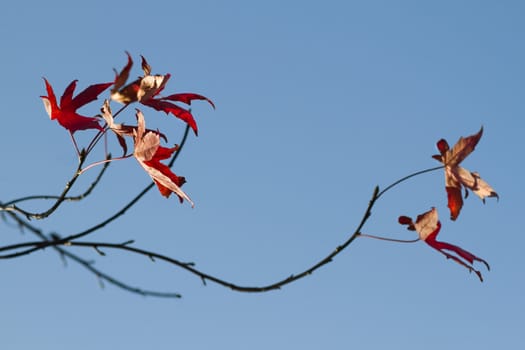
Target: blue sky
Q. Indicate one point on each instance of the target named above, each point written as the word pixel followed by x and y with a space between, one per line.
pixel 316 105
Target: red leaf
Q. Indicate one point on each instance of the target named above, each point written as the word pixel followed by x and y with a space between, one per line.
pixel 428 226
pixel 50 101
pixel 146 88
pixel 457 177
pixel 468 256
pixel 149 153
pixel 66 114
pixel 67 96
pixel 88 95
pixel 187 98
pixel 168 107
pixel 166 190
pixel 455 201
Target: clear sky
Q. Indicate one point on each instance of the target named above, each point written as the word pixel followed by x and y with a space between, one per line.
pixel 317 103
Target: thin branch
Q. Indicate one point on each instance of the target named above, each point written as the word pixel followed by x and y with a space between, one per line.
pixel 276 285
pixel 239 288
pixel 116 282
pixel 98 136
pixel 105 162
pixel 70 241
pixel 395 183
pixel 181 145
pixel 88 265
pixel 389 239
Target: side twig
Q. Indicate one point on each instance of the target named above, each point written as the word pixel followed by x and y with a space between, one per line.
pixel 88 265
pixel 60 199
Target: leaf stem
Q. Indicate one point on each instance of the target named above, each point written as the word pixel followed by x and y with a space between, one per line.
pixel 395 183
pixel 389 239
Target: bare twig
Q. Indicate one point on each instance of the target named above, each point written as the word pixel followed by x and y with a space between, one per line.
pixel 395 183
pixel 88 265
pixel 207 277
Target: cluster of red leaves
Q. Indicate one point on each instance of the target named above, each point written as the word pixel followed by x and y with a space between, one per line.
pixel 144 90
pixel 427 224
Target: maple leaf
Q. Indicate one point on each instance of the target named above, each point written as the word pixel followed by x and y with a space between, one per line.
pixel 66 113
pixel 457 177
pixel 149 154
pixel 428 226
pixel 146 89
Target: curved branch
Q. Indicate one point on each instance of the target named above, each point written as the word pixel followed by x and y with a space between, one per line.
pixel 395 183
pixel 88 265
pixel 276 285
pixel 239 288
pixel 388 239
pixel 70 241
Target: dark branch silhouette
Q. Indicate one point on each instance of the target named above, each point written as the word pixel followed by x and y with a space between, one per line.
pixel 72 241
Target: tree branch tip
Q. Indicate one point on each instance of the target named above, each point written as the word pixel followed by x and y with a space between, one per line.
pixel 99 251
